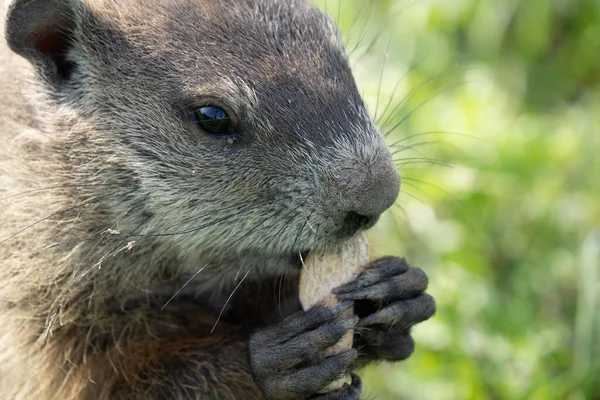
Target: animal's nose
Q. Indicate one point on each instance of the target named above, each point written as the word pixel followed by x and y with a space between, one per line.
pixel 369 192
pixel 354 222
pixel 375 190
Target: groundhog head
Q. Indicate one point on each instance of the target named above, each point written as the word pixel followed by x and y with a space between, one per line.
pixel 215 126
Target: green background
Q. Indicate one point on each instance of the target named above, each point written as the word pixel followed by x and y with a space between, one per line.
pixel 496 105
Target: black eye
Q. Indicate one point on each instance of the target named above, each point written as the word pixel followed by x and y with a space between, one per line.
pixel 213 120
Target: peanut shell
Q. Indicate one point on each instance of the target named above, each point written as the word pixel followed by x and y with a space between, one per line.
pixel 324 271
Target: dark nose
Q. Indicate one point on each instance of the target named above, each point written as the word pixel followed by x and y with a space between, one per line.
pixel 370 191
pixel 354 222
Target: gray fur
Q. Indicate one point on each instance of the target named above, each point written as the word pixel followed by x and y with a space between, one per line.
pixel 153 197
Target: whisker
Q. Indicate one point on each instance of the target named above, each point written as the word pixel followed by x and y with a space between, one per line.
pixel 410 94
pixel 212 259
pixel 412 195
pixel 302 229
pixel 258 298
pixel 399 142
pixel 281 277
pixel 386 55
pixel 107 232
pixel 363 35
pixel 366 51
pixel 407 217
pixel 237 275
pixel 415 169
pixel 63 211
pixel 406 178
pixel 204 213
pixel 195 229
pixel 229 298
pixel 275 236
pixel 421 161
pixel 73 280
pixel 417 89
pixel 414 146
pixel 252 252
pixel 54 187
pixel 419 106
pixel 139 236
pixel 396 87
pixel 357 18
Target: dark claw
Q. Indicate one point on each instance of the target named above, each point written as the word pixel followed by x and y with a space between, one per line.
pixel 301 322
pixel 378 271
pixel 402 314
pixel 307 346
pixel 405 285
pixel 307 381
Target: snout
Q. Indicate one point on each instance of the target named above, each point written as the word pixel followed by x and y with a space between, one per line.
pixel 368 190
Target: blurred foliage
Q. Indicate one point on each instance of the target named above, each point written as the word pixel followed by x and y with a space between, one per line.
pixel 493 113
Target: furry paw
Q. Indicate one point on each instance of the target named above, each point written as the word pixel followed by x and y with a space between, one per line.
pixel 288 359
pixel 389 300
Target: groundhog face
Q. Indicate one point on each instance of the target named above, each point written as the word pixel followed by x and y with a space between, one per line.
pixel 228 126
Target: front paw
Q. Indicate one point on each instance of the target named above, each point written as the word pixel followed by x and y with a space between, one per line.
pixel 288 359
pixel 389 300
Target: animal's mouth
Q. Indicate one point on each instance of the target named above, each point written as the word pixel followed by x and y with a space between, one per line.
pixel 299 258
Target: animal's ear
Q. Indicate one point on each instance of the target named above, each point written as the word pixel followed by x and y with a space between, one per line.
pixel 41 31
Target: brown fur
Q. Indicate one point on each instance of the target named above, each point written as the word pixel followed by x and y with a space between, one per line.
pixel 95 169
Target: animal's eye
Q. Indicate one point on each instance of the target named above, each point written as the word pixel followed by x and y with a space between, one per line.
pixel 213 120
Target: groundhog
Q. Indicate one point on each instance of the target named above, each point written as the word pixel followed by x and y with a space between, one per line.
pixel 166 166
